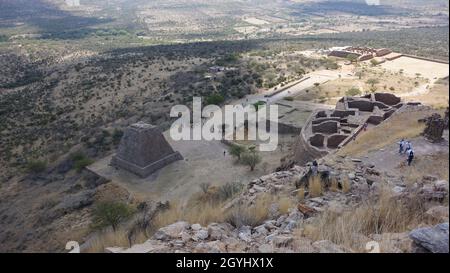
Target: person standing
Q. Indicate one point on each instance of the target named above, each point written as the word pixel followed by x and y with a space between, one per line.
pixel 401 145
pixel 410 154
pixel 314 168
pixel 408 146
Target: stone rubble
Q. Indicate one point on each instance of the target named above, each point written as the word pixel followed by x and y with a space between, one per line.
pixel 279 233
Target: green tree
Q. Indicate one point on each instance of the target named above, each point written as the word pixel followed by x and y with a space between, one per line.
pixel 372 81
pixel 353 58
pixel 251 159
pixel 374 62
pixel 237 151
pixel 111 214
pixel 353 92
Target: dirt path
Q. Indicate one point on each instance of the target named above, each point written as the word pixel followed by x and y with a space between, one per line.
pixel 389 160
pixel 419 90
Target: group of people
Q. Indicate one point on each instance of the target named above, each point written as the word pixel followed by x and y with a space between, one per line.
pixel 405 147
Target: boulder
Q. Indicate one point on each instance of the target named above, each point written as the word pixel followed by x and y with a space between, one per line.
pixel 441 186
pixel 244 233
pixel 261 230
pixel 200 235
pixel 270 225
pixel 326 246
pixel 210 247
pixel 218 231
pixel 171 232
pixel 431 239
pixel 282 240
pixel 196 227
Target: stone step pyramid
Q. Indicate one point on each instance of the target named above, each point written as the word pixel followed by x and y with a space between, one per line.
pixel 144 150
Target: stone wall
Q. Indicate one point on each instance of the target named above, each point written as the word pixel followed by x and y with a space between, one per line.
pixel 361 105
pixel 326 127
pixel 333 141
pixel 317 140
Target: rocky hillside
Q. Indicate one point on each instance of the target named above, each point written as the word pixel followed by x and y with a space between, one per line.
pixel 353 204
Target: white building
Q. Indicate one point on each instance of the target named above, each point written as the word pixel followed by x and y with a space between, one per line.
pixel 73 3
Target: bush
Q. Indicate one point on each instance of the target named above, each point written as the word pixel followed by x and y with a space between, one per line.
pixel 117 136
pixel 214 99
pixel 257 213
pixel 36 166
pixel 80 161
pixel 204 187
pixel 250 159
pixel 258 104
pixel 237 150
pixel 353 92
pixel 111 214
pixel 228 190
pixel 81 164
pixel 289 98
pixel 315 186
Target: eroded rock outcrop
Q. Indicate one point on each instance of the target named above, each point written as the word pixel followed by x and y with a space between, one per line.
pixel 431 239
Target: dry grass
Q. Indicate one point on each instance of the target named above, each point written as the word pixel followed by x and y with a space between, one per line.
pixel 200 209
pixel 346 185
pixel 108 239
pixel 301 194
pixel 284 204
pixel 334 187
pixel 333 90
pixel 401 125
pixel 385 215
pixel 257 213
pixel 202 214
pixel 437 97
pixel 315 186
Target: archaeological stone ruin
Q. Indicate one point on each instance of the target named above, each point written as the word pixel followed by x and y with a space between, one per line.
pixel 327 130
pixel 144 150
pixel 434 128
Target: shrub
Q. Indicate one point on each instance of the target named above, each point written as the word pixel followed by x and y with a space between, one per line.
pixel 204 187
pixel 353 92
pixel 237 151
pixel 80 161
pixel 111 214
pixel 301 194
pixel 289 98
pixel 250 216
pixel 315 186
pixel 251 159
pixel 117 136
pixel 81 164
pixel 229 190
pixel 214 99
pixel 258 104
pixel 346 185
pixel 36 166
